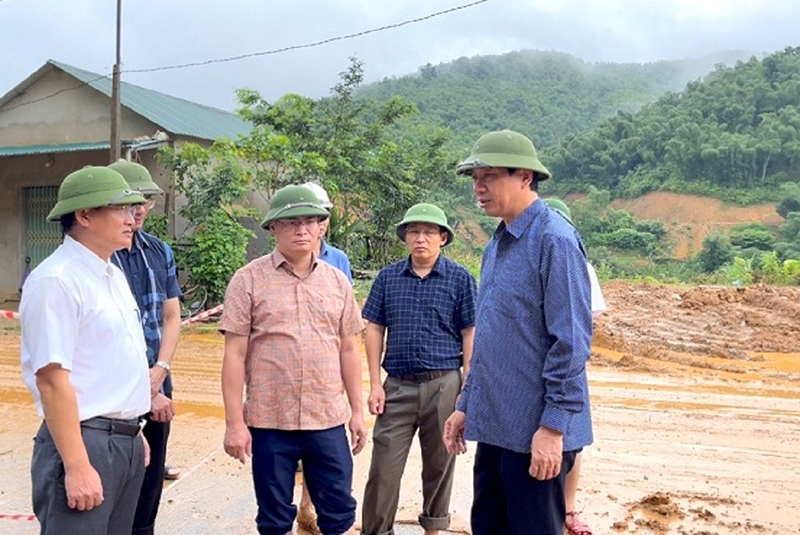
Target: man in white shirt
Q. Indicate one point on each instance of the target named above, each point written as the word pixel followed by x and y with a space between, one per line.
pixel 84 360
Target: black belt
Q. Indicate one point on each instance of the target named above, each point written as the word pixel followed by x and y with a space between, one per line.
pixel 423 377
pixel 129 428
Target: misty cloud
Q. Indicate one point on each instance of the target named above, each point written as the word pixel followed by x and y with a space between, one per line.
pixel 155 34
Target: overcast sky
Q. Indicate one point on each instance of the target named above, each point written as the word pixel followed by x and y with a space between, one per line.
pixel 168 32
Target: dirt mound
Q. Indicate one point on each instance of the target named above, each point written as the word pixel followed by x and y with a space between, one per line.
pixel 690 218
pixel 674 323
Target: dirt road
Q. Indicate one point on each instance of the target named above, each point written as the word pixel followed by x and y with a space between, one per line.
pixel 696 404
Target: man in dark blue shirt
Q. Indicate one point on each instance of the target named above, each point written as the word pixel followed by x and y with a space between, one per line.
pixel 149 266
pixel 427 304
pixel 526 399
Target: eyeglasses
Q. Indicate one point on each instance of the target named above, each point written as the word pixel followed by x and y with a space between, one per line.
pixel 125 210
pixel 295 224
pixel 149 202
pixel 428 233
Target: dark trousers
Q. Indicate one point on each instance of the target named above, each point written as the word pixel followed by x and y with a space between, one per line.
pixel 508 501
pixel 118 459
pixel 410 407
pixel 328 472
pixel 144 521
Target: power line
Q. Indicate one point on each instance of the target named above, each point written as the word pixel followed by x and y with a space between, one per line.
pixel 309 45
pixel 255 54
pixel 63 90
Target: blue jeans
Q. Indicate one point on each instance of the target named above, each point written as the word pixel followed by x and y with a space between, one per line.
pixel 328 470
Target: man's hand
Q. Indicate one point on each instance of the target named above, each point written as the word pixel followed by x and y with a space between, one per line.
pixel 358 433
pixel 546 450
pixel 84 488
pixel 454 433
pixel 157 377
pixel 146 451
pixel 377 400
pixel 161 408
pixel 238 442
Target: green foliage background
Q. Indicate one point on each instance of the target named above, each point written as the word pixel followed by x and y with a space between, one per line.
pixel 605 130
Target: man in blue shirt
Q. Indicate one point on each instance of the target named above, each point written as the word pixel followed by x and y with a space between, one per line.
pixel 526 399
pixel 327 252
pixel 149 266
pixel 426 302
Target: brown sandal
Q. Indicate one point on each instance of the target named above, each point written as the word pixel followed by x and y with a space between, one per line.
pixel 575 526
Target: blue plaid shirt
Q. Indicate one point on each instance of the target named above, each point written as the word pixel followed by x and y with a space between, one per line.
pixel 424 317
pixel 533 336
pixel 337 258
pixel 152 280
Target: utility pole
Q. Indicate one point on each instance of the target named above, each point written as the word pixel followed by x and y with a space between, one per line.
pixel 116 108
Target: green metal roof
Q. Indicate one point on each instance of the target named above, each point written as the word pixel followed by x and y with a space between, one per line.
pixel 173 114
pixel 50 149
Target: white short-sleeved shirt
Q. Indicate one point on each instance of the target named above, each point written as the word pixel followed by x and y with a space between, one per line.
pixel 78 311
pixel 598 301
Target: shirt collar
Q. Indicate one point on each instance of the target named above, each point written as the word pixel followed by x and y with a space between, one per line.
pixel 323 249
pixel 101 268
pixel 278 260
pixel 439 267
pixel 524 220
pixel 141 238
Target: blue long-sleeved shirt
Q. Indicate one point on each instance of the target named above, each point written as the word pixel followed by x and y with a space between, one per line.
pixel 533 336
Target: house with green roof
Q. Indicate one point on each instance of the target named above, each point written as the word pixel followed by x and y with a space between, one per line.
pixel 58 120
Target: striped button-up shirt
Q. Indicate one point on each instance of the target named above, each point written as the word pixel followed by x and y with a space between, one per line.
pixel 295 325
pixel 533 336
pixel 152 275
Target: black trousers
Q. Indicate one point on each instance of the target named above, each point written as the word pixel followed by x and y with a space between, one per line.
pixel 144 520
pixel 508 501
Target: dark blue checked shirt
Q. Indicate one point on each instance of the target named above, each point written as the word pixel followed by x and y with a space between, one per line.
pixel 337 258
pixel 150 293
pixel 424 317
pixel 532 337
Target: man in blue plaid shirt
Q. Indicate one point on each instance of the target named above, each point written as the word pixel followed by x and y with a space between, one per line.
pixel 427 304
pixel 149 266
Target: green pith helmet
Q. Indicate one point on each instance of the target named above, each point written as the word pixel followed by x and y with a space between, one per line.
pixel 92 187
pixel 425 213
pixel 137 175
pixel 321 194
pixel 504 148
pixel 293 201
pixel 559 206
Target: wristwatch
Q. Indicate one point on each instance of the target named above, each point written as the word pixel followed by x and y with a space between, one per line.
pixel 163 364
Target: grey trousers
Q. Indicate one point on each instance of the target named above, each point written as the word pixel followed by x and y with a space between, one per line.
pixel 410 407
pixel 118 459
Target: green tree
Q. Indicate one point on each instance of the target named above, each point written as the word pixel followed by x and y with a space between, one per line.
pixel 754 236
pixel 213 183
pixel 717 251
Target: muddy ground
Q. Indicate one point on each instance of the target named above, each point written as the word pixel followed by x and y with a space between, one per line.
pixel 696 403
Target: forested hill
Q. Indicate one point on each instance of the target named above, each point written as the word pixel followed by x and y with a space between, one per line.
pixel 546 95
pixel 734 135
